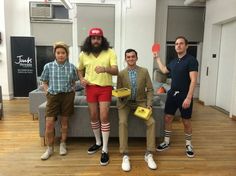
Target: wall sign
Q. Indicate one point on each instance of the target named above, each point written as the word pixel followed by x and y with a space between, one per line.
pixel 23 65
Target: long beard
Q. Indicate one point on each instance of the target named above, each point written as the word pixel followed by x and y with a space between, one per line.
pixel 96 49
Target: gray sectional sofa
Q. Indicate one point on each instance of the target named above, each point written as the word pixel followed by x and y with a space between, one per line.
pixel 36 97
pixel 79 123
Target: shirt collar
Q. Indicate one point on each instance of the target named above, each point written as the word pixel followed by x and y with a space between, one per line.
pixel 61 65
pixel 133 69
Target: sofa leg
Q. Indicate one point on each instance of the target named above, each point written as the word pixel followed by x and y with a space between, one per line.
pixel 43 141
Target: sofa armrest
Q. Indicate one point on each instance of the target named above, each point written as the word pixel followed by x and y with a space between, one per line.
pixel 36 97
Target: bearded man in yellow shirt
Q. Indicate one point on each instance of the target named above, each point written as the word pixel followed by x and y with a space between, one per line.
pixel 97 64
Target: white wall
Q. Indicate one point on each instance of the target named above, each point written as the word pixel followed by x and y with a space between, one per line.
pixel 217 12
pixel 140 30
pixel 14 22
pixel 134 29
pixel 3 52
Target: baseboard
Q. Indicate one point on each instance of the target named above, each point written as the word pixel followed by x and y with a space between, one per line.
pixel 234 117
pixel 201 102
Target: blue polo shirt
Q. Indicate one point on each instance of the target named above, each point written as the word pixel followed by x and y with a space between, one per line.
pixel 179 69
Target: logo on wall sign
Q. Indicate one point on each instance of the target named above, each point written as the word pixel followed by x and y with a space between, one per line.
pixel 24 62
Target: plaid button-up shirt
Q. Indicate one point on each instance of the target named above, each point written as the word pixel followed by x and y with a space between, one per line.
pixel 60 77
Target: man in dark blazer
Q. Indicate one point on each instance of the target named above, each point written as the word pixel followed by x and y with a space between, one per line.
pixel 138 80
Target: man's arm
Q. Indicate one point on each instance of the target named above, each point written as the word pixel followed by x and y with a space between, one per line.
pixel 162 67
pixel 119 82
pixel 113 70
pixel 45 86
pixel 83 81
pixel 188 99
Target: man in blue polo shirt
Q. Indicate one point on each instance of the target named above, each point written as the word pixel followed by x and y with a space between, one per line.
pixel 183 72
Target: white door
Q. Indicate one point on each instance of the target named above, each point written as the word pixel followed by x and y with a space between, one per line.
pixel 226 66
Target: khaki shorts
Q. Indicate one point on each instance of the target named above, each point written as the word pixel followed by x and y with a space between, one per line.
pixel 60 104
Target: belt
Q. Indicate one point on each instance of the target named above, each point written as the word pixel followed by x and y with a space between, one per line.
pixel 132 101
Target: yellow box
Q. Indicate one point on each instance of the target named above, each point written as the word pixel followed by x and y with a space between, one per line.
pixel 122 92
pixel 143 113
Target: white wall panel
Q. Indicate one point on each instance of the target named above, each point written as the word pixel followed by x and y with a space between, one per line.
pixel 227 64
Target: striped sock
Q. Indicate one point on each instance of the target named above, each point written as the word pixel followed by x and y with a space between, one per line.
pixel 167 136
pixel 188 138
pixel 96 131
pixel 105 136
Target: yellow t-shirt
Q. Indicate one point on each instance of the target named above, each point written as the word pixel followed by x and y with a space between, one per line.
pixel 89 62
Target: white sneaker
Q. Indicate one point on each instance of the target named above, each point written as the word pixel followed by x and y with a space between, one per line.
pixel 47 153
pixel 125 163
pixel 63 150
pixel 151 163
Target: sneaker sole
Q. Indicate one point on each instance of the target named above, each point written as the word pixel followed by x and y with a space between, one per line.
pixel 90 153
pixel 63 154
pixel 104 164
pixel 154 168
pixel 160 150
pixel 126 170
pixel 190 156
pixel 43 159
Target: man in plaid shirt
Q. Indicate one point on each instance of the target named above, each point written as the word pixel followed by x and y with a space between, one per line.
pixel 58 78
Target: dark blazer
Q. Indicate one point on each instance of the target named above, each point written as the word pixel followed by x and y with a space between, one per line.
pixel 144 92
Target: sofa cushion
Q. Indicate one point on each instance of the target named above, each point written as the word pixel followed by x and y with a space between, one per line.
pixel 113 101
pixel 40 88
pixel 156 101
pixel 80 100
pixel 157 85
pixel 78 86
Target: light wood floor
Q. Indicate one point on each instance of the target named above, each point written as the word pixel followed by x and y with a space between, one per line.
pixel 214 140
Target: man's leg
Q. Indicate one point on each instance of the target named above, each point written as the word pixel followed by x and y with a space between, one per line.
pixel 187 130
pixel 188 137
pixel 151 138
pixel 104 111
pixel 49 137
pixel 67 109
pixel 186 119
pixel 123 137
pixel 170 109
pixel 168 129
pixel 64 129
pixel 123 129
pixel 95 124
pixel 150 134
pixel 105 124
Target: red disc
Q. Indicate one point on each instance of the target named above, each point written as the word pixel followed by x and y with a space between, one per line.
pixel 156 47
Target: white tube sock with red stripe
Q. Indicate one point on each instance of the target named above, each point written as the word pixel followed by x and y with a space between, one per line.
pixel 105 136
pixel 96 131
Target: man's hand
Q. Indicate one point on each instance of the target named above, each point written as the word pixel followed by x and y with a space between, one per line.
pixel 155 55
pixel 149 107
pixel 84 82
pixel 100 69
pixel 186 103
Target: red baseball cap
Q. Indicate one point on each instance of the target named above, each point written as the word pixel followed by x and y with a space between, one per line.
pixel 95 32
